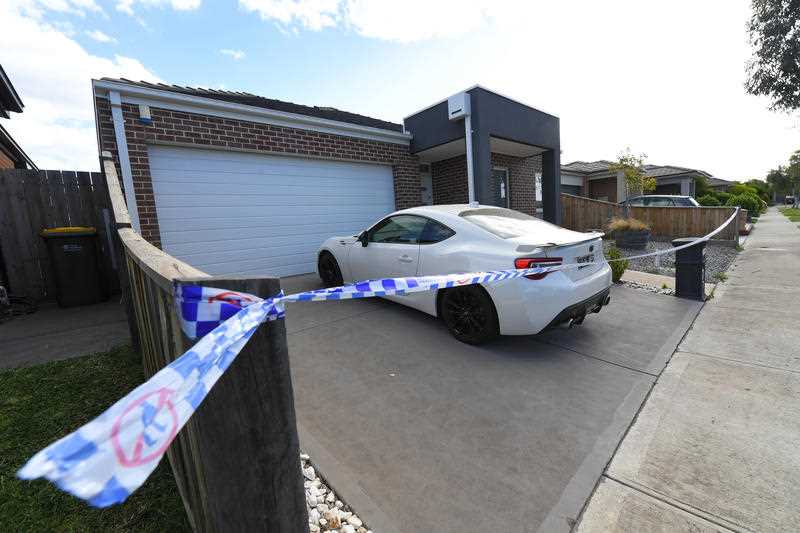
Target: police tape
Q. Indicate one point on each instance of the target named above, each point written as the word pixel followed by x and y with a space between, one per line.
pixel 108 458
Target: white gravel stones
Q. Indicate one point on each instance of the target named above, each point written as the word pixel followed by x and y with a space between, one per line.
pixel 718 258
pixel 326 513
pixel 651 288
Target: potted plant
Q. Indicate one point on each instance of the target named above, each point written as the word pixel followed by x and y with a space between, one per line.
pixel 630 232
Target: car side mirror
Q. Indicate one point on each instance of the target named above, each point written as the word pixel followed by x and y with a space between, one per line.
pixel 362 238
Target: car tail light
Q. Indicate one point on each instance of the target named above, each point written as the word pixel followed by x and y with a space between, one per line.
pixel 533 262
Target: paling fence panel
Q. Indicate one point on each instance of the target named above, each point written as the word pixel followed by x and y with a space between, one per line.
pixel 31 201
pixel 585 214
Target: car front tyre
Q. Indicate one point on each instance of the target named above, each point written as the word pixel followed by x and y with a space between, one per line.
pixel 329 271
pixel 469 314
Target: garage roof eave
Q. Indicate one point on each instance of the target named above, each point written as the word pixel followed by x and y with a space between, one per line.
pixel 195 104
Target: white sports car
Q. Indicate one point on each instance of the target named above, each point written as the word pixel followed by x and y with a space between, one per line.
pixel 448 239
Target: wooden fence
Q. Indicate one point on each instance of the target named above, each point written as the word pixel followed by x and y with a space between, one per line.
pixel 236 461
pixel 31 201
pixel 584 214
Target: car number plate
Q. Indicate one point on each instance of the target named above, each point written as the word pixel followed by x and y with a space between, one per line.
pixel 584 260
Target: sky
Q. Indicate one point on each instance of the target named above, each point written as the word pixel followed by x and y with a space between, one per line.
pixel 663 78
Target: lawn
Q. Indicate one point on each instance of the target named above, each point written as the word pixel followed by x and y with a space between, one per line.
pixel 791 213
pixel 42 403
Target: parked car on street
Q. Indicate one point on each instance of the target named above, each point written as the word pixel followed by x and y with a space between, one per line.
pixel 448 239
pixel 660 200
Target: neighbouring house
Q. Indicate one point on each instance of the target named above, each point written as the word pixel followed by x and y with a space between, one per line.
pixel 594 179
pixel 720 185
pixel 234 183
pixel 11 154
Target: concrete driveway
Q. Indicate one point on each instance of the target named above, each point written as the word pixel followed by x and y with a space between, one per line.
pixel 419 432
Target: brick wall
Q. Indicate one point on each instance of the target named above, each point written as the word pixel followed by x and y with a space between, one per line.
pixel 208 131
pixel 521 180
pixel 450 180
pixel 603 188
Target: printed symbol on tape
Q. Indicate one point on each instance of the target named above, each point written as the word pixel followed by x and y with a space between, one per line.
pixel 232 298
pixel 154 420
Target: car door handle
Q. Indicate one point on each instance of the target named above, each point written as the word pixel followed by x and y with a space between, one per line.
pixel 405 259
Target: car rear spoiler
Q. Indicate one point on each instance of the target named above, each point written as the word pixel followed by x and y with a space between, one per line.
pixel 528 248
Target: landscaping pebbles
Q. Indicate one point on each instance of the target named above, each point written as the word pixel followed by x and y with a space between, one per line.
pixel 718 258
pixel 326 512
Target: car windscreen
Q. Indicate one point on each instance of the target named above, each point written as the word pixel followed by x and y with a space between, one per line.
pixel 504 223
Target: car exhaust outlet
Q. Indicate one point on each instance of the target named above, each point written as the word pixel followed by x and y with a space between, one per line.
pixel 607 299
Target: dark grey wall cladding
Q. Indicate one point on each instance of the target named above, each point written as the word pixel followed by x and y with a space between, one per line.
pixel 431 127
pixel 502 117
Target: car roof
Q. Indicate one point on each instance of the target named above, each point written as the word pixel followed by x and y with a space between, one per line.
pixel 660 196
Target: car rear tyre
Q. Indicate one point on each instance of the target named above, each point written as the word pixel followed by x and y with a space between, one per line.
pixel 469 314
pixel 329 270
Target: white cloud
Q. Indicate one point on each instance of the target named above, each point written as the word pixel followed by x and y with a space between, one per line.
pixel 664 78
pixel 100 37
pixel 74 7
pixel 126 6
pixel 311 14
pixel 407 21
pixel 52 73
pixel 235 54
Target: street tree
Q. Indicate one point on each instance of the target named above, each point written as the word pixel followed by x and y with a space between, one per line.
pixel 774 69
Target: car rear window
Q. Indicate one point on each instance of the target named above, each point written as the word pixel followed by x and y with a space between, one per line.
pixel 504 223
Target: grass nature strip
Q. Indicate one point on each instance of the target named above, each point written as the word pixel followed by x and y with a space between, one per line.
pixel 42 403
pixel 791 213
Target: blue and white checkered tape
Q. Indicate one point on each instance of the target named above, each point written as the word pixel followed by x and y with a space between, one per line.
pixel 107 459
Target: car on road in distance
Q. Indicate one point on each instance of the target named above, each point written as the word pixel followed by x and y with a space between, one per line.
pixel 449 239
pixel 660 200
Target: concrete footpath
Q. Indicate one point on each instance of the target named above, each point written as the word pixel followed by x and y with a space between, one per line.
pixel 716 446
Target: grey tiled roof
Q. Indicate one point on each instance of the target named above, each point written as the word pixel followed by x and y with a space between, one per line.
pixel 329 113
pixel 587 166
pixel 653 171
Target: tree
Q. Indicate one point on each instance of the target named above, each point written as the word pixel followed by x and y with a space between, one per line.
pixel 793 173
pixel 632 168
pixel 779 181
pixel 701 187
pixel 774 69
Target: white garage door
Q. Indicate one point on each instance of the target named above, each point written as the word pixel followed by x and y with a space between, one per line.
pixel 239 213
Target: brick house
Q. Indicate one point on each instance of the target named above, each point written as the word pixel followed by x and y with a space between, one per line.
pixel 11 154
pixel 593 179
pixel 236 183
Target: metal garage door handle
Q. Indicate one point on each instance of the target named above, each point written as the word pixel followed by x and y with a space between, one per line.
pixel 405 259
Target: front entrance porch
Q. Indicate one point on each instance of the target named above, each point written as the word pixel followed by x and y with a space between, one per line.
pixel 510 148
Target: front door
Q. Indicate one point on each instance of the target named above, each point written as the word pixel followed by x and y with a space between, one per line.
pixel 500 187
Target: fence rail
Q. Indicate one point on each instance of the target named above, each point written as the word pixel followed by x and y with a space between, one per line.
pixel 236 461
pixel 584 214
pixel 32 200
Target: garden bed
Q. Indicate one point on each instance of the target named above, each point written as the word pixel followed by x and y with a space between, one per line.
pixel 718 259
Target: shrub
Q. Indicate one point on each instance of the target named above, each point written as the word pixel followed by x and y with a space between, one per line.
pixel 722 196
pixel 751 202
pixel 627 224
pixel 708 200
pixel 618 265
pixel 741 188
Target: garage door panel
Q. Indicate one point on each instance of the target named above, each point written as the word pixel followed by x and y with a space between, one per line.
pixel 266 223
pixel 236 164
pixel 304 201
pixel 176 191
pixel 285 215
pixel 240 213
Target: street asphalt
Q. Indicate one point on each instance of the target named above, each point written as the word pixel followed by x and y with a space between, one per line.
pixel 419 432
